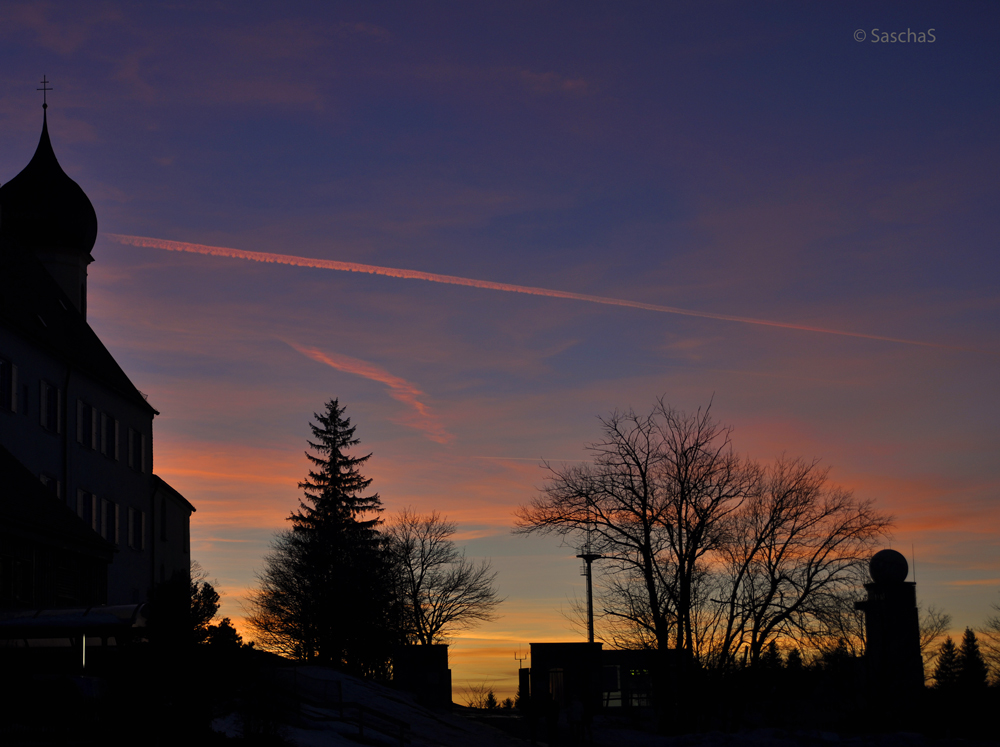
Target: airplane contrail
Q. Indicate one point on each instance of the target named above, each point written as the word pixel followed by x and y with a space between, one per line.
pixel 329 264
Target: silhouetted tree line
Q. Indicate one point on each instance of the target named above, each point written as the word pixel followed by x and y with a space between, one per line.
pixel 342 588
pixel 828 691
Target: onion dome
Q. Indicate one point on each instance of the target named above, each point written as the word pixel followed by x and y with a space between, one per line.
pixel 42 209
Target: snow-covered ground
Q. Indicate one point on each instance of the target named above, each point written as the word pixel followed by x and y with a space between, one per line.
pixel 315 722
pixel 318 719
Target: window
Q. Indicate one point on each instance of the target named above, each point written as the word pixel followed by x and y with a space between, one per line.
pixel 136 529
pixel 8 386
pixel 136 450
pixel 109 521
pixel 15 580
pixel 163 519
pixel 86 425
pixel 86 508
pixel 52 484
pixel 109 436
pixel 49 412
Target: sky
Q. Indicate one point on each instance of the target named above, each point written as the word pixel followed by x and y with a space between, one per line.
pixel 495 213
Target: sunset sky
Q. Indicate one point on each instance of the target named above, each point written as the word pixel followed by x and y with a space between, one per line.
pixel 742 161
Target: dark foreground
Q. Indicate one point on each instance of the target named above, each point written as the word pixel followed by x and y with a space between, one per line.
pixel 203 696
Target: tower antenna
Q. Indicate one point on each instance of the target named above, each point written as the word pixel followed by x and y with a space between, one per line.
pixel 519 659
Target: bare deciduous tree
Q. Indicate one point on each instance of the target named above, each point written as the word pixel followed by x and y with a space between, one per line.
pixel 654 502
pixel 441 591
pixel 991 642
pixel 705 551
pixel 798 548
pixel 837 624
pixel 278 607
pixel 934 623
pixel 480 695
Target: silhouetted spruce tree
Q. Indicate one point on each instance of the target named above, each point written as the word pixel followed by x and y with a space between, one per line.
pixel 972 670
pixel 223 635
pixel 946 671
pixel 770 659
pixel 794 661
pixel 344 559
pixel 324 594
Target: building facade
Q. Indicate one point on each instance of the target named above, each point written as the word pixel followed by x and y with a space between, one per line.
pixel 70 416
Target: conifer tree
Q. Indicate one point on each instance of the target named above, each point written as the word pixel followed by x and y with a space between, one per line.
pixel 334 489
pixel 325 593
pixel 794 662
pixel 946 671
pixel 972 670
pixel 771 659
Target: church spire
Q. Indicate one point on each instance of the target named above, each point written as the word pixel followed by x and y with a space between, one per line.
pixel 44 212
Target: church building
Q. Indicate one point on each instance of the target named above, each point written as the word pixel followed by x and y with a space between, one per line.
pixel 84 520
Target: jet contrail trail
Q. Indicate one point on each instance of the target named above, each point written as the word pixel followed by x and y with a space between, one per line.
pixel 329 264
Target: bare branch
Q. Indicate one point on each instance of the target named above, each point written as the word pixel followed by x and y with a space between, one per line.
pixel 441 591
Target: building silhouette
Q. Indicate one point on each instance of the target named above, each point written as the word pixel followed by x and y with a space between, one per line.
pixel 83 518
pixel 892 628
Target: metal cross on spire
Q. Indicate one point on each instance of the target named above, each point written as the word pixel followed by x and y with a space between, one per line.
pixel 44 89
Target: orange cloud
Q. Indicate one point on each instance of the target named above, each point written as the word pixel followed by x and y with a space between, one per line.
pixel 399 389
pixel 327 264
pixel 975 582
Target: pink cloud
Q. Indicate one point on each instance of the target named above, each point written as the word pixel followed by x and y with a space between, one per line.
pixel 399 389
pixel 553 82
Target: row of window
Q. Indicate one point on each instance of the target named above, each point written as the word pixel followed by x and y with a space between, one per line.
pixel 15 580
pixel 99 431
pixel 105 518
pixel 94 429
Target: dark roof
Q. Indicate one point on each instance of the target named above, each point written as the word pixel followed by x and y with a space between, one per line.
pixel 42 208
pixel 34 306
pixel 160 484
pixel 28 509
pixel 98 620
